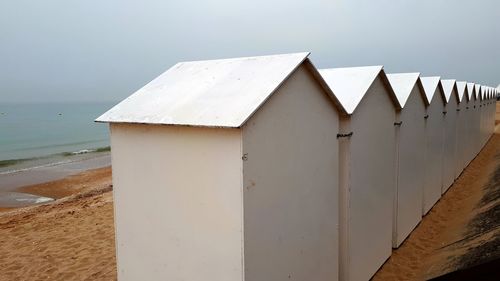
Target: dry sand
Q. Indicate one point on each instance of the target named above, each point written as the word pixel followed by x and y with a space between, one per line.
pixel 69 239
pixel 420 256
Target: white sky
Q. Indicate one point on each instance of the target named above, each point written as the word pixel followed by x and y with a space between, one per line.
pixel 104 50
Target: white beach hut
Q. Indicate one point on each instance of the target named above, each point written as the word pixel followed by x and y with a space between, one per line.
pixel 477 120
pixel 488 114
pixel 492 111
pixel 410 154
pixel 366 147
pixel 487 124
pixel 434 135
pixel 483 115
pixel 227 170
pixel 450 132
pixel 461 140
pixel 492 108
pixel 470 110
pixel 491 125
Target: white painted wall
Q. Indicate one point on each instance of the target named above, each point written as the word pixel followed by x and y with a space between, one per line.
pixel 493 111
pixel 471 112
pixel 462 135
pixel 434 152
pixel 477 127
pixel 410 169
pixel 492 117
pixel 368 192
pixel 450 142
pixel 178 202
pixel 481 124
pixel 291 185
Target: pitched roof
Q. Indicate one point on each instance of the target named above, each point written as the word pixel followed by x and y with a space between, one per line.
pixel 350 84
pixel 470 90
pixel 213 93
pixel 430 84
pixel 478 90
pixel 402 84
pixel 448 86
pixel 483 92
pixel 461 85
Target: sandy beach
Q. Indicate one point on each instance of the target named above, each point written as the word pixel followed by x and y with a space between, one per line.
pixel 69 239
pixel 72 238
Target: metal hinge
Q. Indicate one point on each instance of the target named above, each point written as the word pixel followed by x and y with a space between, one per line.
pixel 398 123
pixel 426 116
pixel 344 135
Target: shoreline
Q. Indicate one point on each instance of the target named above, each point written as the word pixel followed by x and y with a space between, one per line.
pixel 11 181
pixel 46 183
pixel 8 166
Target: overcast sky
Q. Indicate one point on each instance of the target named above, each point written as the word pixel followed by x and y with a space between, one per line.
pixel 103 50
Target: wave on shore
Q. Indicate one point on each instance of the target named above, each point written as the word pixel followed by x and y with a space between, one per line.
pixel 15 165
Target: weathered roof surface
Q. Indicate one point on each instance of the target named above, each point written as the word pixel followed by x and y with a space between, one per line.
pixel 448 86
pixel 470 90
pixel 402 84
pixel 461 85
pixel 478 90
pixel 213 93
pixel 483 92
pixel 350 84
pixel 430 84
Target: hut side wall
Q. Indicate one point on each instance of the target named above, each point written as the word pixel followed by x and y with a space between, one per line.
pixel 178 202
pixel 460 149
pixel 492 116
pixel 470 130
pixel 371 183
pixel 477 127
pixel 291 185
pixel 434 152
pixel 410 167
pixel 450 142
pixel 481 124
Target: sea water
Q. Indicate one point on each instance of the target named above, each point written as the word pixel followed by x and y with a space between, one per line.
pixel 34 134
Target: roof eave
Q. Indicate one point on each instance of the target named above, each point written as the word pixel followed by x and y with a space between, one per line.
pixel 389 88
pixel 314 71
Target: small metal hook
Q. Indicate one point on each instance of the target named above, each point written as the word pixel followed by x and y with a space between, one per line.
pixel 344 135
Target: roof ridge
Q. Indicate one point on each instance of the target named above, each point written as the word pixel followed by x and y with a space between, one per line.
pixel 212 93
